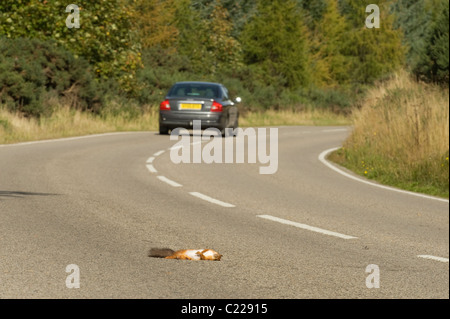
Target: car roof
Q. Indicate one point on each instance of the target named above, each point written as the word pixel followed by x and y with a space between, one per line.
pixel 199 82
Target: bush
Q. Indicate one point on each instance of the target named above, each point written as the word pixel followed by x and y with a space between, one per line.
pixel 31 70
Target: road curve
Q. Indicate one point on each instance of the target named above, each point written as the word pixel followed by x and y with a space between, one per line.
pixel 101 202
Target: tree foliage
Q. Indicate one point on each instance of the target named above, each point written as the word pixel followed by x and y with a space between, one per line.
pixel 425 26
pixel 32 71
pixel 106 38
pixel 375 52
pixel 275 44
pixel 278 52
pixel 332 66
pixel 434 64
pixel 155 21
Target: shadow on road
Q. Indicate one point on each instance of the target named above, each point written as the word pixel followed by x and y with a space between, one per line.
pixel 17 194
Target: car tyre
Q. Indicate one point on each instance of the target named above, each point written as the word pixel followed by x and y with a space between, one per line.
pixel 163 130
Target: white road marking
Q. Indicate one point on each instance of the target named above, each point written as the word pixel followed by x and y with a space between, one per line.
pixel 174 148
pixel 158 153
pixel 441 259
pixel 64 139
pixel 306 227
pixel 151 168
pixel 324 154
pixel 211 200
pixel 168 181
pixel 150 160
pixel 335 130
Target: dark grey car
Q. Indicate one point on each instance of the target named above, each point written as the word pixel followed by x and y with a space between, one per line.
pixel 205 101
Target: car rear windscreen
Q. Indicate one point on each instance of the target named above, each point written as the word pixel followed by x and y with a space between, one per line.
pixel 194 90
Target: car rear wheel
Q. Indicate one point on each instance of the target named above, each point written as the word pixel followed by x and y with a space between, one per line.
pixel 229 125
pixel 163 130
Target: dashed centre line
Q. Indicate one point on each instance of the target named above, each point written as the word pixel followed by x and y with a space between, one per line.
pixel 158 153
pixel 168 181
pixel 151 168
pixel 441 259
pixel 211 200
pixel 306 227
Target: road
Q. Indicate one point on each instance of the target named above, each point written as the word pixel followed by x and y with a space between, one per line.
pixel 101 202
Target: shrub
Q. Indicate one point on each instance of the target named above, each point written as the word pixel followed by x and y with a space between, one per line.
pixel 30 69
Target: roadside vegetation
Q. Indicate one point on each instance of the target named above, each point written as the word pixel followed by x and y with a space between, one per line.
pixel 401 136
pixel 293 62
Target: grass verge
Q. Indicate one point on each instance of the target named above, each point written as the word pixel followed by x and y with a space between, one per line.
pixel 401 137
pixel 67 122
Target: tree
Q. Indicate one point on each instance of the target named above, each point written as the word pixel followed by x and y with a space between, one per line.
pixel 439 48
pixel 332 67
pixel 225 51
pixel 155 21
pixel 275 44
pixel 434 63
pixel 413 18
pixel 192 35
pixel 105 37
pixel 373 53
pixel 207 41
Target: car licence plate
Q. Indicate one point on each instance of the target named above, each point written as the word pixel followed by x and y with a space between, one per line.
pixel 185 106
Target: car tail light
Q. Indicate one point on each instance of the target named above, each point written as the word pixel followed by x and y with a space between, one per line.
pixel 164 106
pixel 216 107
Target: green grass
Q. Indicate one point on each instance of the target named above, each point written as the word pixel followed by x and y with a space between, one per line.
pixel 388 173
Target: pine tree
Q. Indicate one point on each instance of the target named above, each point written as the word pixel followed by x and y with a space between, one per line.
pixel 275 44
pixel 413 18
pixel 224 50
pixel 193 36
pixel 434 63
pixel 439 48
pixel 331 65
pixel 375 52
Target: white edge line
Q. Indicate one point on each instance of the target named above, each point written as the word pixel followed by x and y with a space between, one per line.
pixel 64 139
pixel 168 181
pixel 441 259
pixel 211 200
pixel 150 160
pixel 335 130
pixel 306 227
pixel 151 168
pixel 324 154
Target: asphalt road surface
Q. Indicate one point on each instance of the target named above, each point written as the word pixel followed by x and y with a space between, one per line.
pixel 307 231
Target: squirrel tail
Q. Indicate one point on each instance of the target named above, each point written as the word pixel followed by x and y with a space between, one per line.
pixel 160 252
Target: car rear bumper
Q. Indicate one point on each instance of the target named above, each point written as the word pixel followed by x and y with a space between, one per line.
pixel 176 119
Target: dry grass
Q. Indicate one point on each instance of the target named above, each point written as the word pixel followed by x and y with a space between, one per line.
pixel 66 122
pixel 280 118
pixel 401 136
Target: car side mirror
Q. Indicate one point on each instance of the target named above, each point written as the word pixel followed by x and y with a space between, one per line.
pixel 238 100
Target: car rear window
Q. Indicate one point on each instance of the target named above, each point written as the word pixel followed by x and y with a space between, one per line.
pixel 193 90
